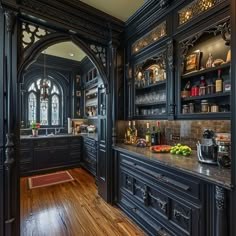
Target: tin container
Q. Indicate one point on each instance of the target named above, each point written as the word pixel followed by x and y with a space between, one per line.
pixel 185 109
pixel 214 108
pixel 204 106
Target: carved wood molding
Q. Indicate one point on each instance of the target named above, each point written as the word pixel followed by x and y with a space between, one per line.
pixel 224 28
pixel 220 198
pixel 10 20
pixel 165 3
pixel 82 20
pixel 187 44
pixel 170 54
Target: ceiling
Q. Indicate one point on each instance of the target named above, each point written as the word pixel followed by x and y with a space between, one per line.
pixel 66 50
pixel 121 9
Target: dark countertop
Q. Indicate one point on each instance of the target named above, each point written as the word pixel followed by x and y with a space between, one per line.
pixel 87 135
pixel 189 165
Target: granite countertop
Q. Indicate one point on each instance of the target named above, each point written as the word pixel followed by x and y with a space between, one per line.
pixel 189 165
pixel 88 135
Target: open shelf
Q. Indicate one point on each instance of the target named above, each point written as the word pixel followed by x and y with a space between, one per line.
pixel 151 104
pixel 214 95
pixel 152 85
pixel 205 71
pixel 205 116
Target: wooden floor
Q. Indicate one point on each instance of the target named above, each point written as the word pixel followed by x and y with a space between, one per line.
pixel 71 209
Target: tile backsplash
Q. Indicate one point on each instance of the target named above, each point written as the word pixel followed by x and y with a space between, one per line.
pixel 185 131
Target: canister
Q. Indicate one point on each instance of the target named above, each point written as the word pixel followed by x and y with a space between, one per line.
pixel 191 107
pixel 214 108
pixel 185 109
pixel 204 106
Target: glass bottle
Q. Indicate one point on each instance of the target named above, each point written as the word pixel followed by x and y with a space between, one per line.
pixel 219 82
pixel 153 137
pixel 209 61
pixel 202 87
pixel 158 134
pixel 148 136
pixel 134 133
pixel 128 133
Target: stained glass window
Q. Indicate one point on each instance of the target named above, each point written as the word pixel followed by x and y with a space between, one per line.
pixel 49 111
pixel 44 112
pixel 32 105
pixel 55 110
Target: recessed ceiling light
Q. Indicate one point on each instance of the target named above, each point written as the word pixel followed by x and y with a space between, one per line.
pixel 71 54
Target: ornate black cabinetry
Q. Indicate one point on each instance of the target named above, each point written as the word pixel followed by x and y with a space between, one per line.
pixel 188 43
pixel 161 201
pixel 203 56
pixel 45 154
pixel 89 161
pixel 150 88
pixel 165 200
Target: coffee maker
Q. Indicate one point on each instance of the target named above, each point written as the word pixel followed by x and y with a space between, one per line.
pixel 214 148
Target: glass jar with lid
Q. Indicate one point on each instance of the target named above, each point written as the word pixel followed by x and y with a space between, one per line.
pixel 185 109
pixel 191 107
pixel 204 106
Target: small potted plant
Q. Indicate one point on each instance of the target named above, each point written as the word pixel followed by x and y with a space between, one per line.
pixel 35 126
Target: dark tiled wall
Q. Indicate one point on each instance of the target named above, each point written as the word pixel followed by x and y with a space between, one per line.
pixel 185 132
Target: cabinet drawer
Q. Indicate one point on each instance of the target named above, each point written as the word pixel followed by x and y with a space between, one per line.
pixel 75 148
pixel 90 150
pixel 42 143
pixel 75 157
pixel 26 155
pixel 90 142
pixel 26 143
pixel 76 140
pixel 151 225
pixel 59 142
pixel 157 203
pixel 26 166
pixel 169 179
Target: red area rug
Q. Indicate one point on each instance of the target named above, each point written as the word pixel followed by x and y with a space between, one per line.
pixel 49 179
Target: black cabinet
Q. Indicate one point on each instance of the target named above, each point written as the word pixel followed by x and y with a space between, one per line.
pixel 45 154
pixel 160 200
pixel 202 56
pixel 89 161
pixel 163 71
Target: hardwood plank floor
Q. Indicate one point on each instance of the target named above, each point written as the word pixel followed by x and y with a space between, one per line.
pixel 71 209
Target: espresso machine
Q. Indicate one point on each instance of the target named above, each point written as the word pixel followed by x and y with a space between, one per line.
pixel 214 148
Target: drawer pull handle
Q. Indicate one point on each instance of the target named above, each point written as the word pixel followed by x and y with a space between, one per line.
pixel 176 184
pixel 162 204
pixel 179 214
pixel 162 232
pixel 134 209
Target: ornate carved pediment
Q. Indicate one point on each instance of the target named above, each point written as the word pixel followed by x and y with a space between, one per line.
pixel 30 34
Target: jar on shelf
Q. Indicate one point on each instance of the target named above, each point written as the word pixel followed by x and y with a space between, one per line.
pixel 209 61
pixel 194 91
pixel 185 109
pixel 191 107
pixel 204 106
pixel 211 87
pixel 202 87
pixel 214 108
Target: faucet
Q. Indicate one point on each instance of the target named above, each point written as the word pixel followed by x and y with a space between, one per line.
pixel 46 133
